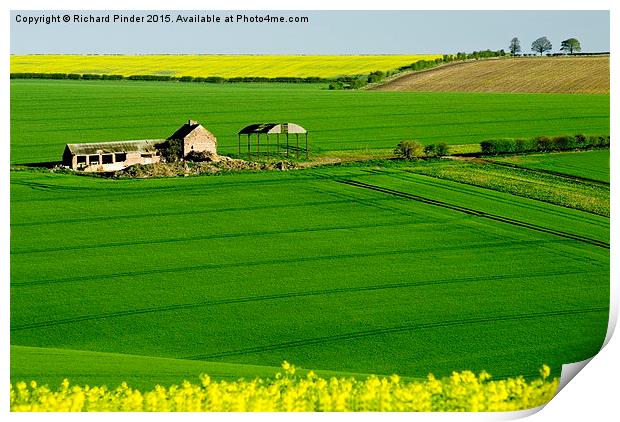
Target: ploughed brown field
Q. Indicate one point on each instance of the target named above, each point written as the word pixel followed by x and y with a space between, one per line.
pixel 579 75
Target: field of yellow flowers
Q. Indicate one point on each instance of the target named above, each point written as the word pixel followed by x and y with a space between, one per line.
pixel 227 66
pixel 288 392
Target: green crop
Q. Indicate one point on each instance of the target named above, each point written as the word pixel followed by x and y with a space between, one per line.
pixel 350 269
pixel 46 115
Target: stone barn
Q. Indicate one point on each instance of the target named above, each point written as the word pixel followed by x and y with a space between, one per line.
pixel 117 155
pixel 194 138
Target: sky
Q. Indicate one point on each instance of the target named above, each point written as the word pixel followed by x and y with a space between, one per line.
pixel 326 32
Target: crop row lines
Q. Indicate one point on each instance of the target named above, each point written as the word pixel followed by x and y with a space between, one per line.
pixel 483 214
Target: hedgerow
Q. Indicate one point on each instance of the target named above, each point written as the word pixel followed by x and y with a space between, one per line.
pixel 544 144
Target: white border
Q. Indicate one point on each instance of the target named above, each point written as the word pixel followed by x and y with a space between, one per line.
pixel 592 394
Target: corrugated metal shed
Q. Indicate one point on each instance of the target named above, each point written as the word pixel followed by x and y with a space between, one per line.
pixel 269 128
pixel 147 145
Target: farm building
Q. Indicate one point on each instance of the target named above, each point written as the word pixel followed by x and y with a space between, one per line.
pixel 276 129
pixel 110 156
pixel 113 156
pixel 195 137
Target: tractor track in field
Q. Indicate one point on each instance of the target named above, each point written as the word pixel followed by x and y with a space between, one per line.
pixel 183 239
pixel 106 192
pixel 483 192
pixel 178 213
pixel 477 213
pixel 393 330
pixel 215 266
pixel 518 195
pixel 260 298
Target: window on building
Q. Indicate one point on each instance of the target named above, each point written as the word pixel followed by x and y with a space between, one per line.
pixel 81 159
pixel 120 157
pixel 146 155
pixel 93 159
pixel 107 158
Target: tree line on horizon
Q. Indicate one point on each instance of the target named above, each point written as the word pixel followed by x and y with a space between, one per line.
pixel 542 45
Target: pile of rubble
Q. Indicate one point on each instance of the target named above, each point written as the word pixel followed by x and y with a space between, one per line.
pixel 206 164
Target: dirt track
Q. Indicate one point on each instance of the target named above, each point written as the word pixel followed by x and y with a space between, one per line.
pixel 575 75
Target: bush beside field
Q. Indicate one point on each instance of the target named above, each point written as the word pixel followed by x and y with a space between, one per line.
pixel 543 144
pixel 414 149
pixel 287 392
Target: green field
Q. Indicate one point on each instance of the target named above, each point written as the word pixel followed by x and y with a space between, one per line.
pixel 556 188
pixel 46 115
pixel 381 267
pixel 586 164
pixel 51 366
pixel 350 269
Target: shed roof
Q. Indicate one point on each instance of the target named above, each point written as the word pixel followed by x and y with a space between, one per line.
pixel 272 128
pixel 146 145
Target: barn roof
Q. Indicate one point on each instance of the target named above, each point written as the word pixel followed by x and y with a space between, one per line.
pixel 272 128
pixel 147 145
pixel 185 130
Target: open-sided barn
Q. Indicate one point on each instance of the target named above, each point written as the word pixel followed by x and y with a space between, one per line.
pixel 117 155
pixel 276 129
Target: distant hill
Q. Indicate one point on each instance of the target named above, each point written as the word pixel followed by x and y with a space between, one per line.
pixel 578 75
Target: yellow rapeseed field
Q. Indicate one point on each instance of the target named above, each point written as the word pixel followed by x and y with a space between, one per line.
pixel 288 392
pixel 227 66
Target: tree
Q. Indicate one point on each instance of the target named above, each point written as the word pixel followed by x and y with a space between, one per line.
pixel 409 149
pixel 170 150
pixel 570 45
pixel 375 76
pixel 439 149
pixel 515 46
pixel 541 45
